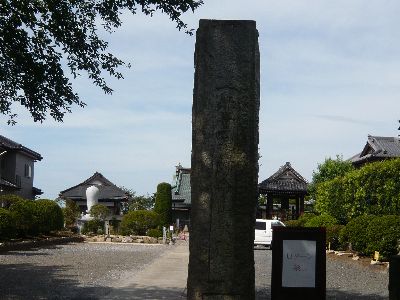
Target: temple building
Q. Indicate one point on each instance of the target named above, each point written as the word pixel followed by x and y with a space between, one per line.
pixel 181 196
pixel 285 191
pixel 109 194
pixel 377 148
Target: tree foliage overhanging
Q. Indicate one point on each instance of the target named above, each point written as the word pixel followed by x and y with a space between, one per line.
pixel 38 36
pixel 373 189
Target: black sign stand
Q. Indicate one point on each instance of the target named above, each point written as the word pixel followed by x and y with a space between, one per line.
pixel 298 263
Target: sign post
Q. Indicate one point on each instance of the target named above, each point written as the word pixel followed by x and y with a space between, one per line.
pixel 298 263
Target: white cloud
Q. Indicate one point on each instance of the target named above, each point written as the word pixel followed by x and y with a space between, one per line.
pixel 329 77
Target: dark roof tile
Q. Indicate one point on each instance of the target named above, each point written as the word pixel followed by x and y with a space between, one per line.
pixel 378 147
pixel 8 144
pixel 107 189
pixel 286 179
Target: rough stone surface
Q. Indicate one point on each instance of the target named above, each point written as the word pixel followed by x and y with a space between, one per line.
pixel 224 160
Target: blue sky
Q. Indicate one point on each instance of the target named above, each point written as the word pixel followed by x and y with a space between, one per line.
pixel 329 77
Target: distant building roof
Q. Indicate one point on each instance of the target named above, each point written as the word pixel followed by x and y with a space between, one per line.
pixel 107 190
pixel 377 148
pixel 8 145
pixel 286 180
pixel 181 190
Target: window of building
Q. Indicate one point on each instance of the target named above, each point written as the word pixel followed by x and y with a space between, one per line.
pixel 28 171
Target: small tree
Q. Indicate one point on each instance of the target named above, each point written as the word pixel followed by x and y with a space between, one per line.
pixel 163 205
pixel 71 213
pixel 99 212
pixel 138 222
pixel 140 202
pixel 328 170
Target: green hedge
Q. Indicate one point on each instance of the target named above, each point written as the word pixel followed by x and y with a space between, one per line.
pixel 373 189
pixel 384 236
pixel 321 221
pixel 355 233
pixel 36 217
pixel 331 225
pixel 7 224
pixel 301 221
pixel 369 233
pixel 138 222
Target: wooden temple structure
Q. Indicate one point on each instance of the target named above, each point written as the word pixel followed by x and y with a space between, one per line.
pixel 287 188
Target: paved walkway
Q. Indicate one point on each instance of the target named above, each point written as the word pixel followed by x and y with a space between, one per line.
pixel 165 278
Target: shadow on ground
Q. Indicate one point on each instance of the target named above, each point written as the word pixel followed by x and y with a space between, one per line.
pixel 265 294
pixel 27 281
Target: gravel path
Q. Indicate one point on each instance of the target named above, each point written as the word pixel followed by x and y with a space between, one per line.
pixel 91 271
pixel 345 279
pixel 73 271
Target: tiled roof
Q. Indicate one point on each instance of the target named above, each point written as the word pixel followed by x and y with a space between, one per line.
pixel 378 147
pixel 6 183
pixel 107 189
pixel 285 180
pixel 181 191
pixel 8 144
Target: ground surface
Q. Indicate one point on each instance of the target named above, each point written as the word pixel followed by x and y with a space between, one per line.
pixel 345 278
pixel 92 271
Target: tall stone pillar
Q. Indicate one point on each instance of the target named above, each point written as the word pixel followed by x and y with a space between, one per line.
pixel 224 171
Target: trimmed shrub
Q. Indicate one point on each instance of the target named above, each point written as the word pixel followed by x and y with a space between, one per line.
pixel 99 212
pixel 321 221
pixel 71 213
pixel 301 221
pixel 93 226
pixel 304 218
pixel 25 218
pixel 114 223
pixel 333 236
pixel 163 205
pixel 138 222
pixel 293 223
pixel 7 200
pixel 356 231
pixel 156 233
pixel 7 224
pixel 331 225
pixel 48 215
pixel 383 236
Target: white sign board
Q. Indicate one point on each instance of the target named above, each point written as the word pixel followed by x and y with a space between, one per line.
pixel 298 268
